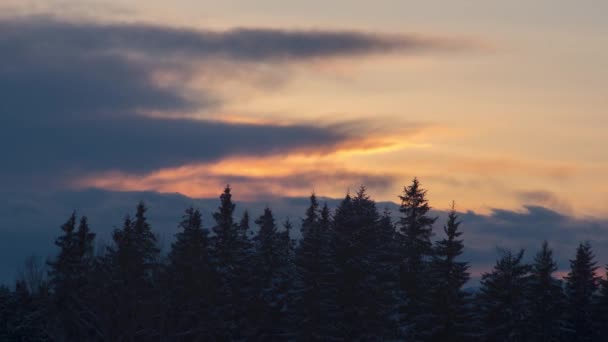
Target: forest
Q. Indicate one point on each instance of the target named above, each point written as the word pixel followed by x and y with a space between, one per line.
pixel 356 274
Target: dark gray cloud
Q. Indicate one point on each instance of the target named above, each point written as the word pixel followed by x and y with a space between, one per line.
pixel 248 44
pixel 485 235
pixel 73 94
pixel 31 148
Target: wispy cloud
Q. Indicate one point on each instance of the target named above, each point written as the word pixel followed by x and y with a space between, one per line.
pixel 75 91
pixel 241 44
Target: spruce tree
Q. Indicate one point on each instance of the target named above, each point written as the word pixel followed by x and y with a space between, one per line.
pixel 30 320
pixel 129 299
pixel 350 269
pixel 601 309
pixel 6 313
pixel 244 228
pixel 191 283
pixel 415 242
pixel 68 276
pixel 358 247
pixel 267 257
pixel 283 288
pixel 314 296
pixel 546 298
pixel 501 301
pixel 232 258
pixel 385 258
pixel 581 286
pixel 449 303
pixel 274 256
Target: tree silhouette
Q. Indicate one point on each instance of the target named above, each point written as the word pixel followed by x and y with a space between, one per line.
pixel 191 283
pixel 501 302
pixel 351 276
pixel 314 296
pixel 581 286
pixel 546 298
pixel 449 303
pixel 415 231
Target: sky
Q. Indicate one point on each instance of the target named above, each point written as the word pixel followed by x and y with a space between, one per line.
pixel 497 105
pixel 493 104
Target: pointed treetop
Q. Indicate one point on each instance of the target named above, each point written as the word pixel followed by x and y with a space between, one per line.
pixel 69 226
pixel 361 193
pixel 244 223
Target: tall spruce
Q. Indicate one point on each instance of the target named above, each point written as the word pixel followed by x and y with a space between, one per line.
pixel 232 259
pixel 501 301
pixel 581 286
pixel 415 232
pixel 129 301
pixel 601 308
pixel 68 275
pixel 365 312
pixel 191 283
pixel 285 280
pixel 449 303
pixel 267 265
pixel 314 296
pixel 546 299
pixel 384 278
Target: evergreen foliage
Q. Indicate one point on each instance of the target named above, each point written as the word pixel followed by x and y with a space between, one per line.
pixel 501 302
pixel 546 298
pixel 352 276
pixel 415 232
pixel 581 285
pixel 449 303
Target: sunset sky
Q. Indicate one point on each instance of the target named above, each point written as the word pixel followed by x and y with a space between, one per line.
pixel 494 104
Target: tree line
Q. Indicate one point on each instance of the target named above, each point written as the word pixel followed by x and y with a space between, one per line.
pixel 354 275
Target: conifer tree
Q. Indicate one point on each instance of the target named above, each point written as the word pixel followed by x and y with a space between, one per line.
pixel 30 321
pixel 415 242
pixel 546 298
pixel 129 299
pixel 357 246
pixel 6 313
pixel 191 282
pixel 244 228
pixel 385 257
pixel 314 294
pixel 449 303
pixel 274 255
pixel 286 274
pixel 349 261
pixel 232 259
pixel 266 244
pixel 68 274
pixel 501 302
pixel 581 286
pixel 601 309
